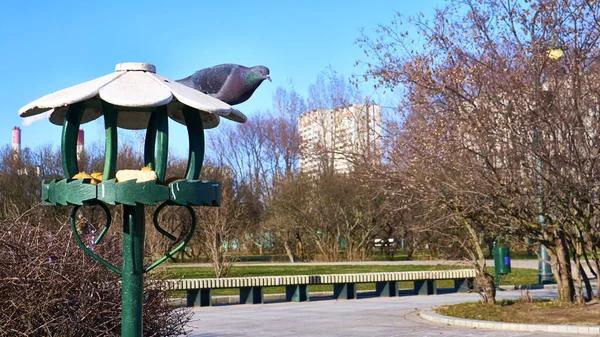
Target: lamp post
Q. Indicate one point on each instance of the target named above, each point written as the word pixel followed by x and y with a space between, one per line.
pixel 544 269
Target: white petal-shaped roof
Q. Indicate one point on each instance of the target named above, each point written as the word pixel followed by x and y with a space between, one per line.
pixel 132 88
pixel 135 89
pixel 74 94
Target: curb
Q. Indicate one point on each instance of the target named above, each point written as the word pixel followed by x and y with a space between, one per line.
pixel 530 287
pixel 431 316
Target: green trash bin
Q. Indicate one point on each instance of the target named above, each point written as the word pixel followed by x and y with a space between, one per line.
pixel 501 259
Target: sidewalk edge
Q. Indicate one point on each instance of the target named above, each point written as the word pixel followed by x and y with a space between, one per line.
pixel 431 316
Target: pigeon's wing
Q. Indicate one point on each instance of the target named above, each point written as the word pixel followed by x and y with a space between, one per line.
pixel 226 82
pixel 211 80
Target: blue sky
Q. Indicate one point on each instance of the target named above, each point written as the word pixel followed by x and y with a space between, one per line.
pixel 51 45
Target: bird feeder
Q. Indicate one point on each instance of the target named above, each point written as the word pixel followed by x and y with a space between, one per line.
pixel 133 97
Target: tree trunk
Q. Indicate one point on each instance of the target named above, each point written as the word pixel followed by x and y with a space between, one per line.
pixel 300 250
pixel 483 279
pixel 288 251
pixel 587 262
pixel 595 266
pixel 220 262
pixel 561 268
pixel 582 280
pixel 586 282
pixel 485 283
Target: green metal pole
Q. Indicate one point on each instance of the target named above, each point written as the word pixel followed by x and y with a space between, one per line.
pixel 69 139
pixel 132 271
pixel 545 275
pixel 195 128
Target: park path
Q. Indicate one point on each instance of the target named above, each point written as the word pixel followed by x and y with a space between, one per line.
pixel 375 316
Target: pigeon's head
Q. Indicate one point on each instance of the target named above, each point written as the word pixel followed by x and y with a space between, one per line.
pixel 261 73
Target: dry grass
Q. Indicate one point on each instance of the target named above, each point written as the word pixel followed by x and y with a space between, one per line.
pixel 537 312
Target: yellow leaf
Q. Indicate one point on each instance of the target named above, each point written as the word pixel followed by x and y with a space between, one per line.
pixel 82 175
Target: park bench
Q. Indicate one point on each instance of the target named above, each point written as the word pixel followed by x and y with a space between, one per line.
pixel 199 291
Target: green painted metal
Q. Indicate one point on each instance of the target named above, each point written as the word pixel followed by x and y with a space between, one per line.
pixel 252 295
pixel 133 197
pixel 131 193
pixel 195 193
pixel 106 225
pixel 77 191
pixel 46 192
pixel 56 194
pixel 84 247
pixel 297 293
pixel 111 145
pixel 180 192
pixel 386 289
pixel 463 285
pixel 425 287
pixel 150 141
pixel 133 271
pixel 199 297
pixel 69 139
pixel 501 260
pixel 148 193
pixel 67 191
pixel 344 291
pixel 158 126
pixel 157 226
pixel 501 257
pixel 162 153
pixel 195 128
pixel 182 244
pixel 107 191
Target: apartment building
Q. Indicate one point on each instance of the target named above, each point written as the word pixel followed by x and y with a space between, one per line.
pixel 336 138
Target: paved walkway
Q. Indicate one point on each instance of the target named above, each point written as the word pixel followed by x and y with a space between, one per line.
pixel 380 317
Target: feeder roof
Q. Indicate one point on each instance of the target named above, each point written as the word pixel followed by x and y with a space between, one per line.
pixel 132 88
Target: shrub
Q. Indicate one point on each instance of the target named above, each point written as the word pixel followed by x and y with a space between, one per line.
pixel 49 287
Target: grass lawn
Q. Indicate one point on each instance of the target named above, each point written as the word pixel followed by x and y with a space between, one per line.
pixel 518 276
pixel 538 312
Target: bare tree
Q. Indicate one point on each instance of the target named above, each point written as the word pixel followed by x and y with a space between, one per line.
pixel 220 229
pixel 493 106
pixel 329 217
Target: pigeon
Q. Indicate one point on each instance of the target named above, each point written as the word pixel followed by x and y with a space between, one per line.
pixel 230 83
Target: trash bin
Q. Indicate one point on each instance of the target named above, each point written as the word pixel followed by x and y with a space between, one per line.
pixel 501 257
pixel 501 260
